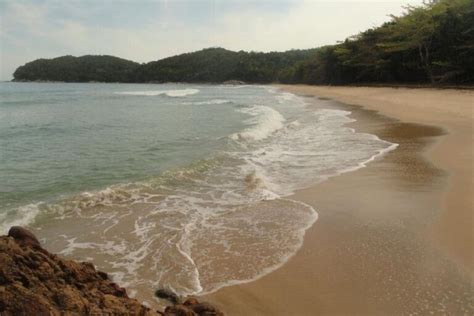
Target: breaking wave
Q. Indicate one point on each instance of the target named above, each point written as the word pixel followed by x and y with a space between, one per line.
pixel 264 121
pixel 169 93
pixel 210 102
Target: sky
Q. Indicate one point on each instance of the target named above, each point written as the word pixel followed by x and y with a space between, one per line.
pixel 146 30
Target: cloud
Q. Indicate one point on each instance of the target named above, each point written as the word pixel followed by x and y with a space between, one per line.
pixel 145 31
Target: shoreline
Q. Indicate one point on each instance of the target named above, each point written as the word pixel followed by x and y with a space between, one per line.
pixel 457 123
pixel 382 231
pixel 361 85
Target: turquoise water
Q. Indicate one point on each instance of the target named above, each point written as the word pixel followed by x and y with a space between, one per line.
pixel 178 186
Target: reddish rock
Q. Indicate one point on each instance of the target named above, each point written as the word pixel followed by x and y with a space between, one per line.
pixel 35 282
pixel 201 309
pixel 179 310
pixel 119 291
pixel 206 309
pixel 191 301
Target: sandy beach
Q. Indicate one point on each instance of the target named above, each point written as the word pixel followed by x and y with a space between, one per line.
pixel 392 238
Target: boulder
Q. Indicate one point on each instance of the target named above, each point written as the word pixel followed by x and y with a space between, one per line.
pixel 24 236
pixel 206 309
pixel 233 82
pixel 191 301
pixel 167 295
pixel 179 310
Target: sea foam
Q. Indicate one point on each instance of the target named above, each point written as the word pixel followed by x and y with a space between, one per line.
pixel 169 93
pixel 263 122
pixel 210 102
pixel 20 216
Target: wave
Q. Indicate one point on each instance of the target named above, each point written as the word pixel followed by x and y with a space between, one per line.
pixel 283 97
pixel 265 121
pixel 22 216
pixel 169 93
pixel 311 149
pixel 209 102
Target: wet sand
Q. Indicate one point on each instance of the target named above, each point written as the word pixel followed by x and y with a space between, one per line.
pixel 393 238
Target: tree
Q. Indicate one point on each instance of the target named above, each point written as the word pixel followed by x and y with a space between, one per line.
pixel 415 30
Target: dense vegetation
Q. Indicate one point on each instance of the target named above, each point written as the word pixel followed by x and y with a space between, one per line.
pixel 218 65
pixel 77 69
pixel 433 43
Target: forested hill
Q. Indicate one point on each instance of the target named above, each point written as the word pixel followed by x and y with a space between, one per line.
pixel 432 43
pixel 207 65
pixel 77 69
pixel 219 65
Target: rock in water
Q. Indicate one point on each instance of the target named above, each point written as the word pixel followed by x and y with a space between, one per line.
pixel 167 295
pixel 192 307
pixel 179 310
pixel 204 308
pixel 233 82
pixel 23 235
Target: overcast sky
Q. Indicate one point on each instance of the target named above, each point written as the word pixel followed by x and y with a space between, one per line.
pixel 145 30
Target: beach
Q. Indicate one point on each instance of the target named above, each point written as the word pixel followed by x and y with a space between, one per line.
pixel 394 237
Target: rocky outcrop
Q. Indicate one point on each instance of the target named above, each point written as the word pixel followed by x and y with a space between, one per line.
pixel 192 307
pixel 234 82
pixel 36 282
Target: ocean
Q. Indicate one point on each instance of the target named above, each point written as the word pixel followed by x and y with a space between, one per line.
pixel 181 186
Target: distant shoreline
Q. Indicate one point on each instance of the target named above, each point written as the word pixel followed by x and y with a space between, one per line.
pixel 361 85
pixel 228 82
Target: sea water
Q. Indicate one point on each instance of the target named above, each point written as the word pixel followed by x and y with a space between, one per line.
pixel 180 186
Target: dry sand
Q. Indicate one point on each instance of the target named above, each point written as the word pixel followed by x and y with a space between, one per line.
pixel 393 238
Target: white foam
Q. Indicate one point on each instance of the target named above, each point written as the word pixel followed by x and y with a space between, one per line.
pixel 311 149
pixel 282 260
pixel 184 247
pixel 210 102
pixel 170 93
pixel 22 216
pixel 73 246
pixel 264 121
pixel 181 93
pixel 286 96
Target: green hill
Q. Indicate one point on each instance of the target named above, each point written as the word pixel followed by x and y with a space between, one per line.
pixel 219 65
pixel 77 69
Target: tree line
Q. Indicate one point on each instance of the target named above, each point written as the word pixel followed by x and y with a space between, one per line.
pixel 432 43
